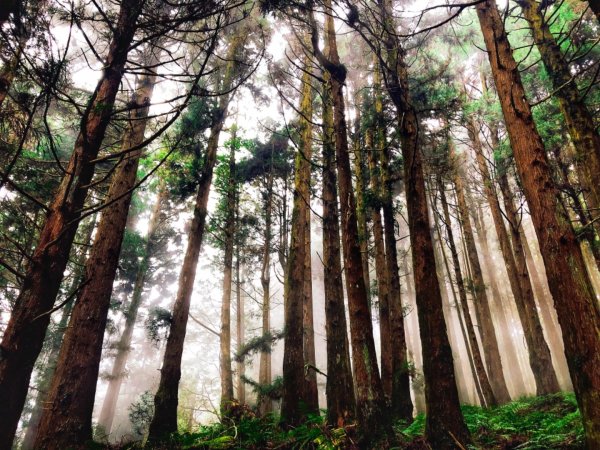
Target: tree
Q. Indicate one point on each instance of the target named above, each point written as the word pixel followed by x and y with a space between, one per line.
pixel 569 282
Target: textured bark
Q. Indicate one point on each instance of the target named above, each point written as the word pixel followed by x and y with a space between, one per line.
pixel 483 312
pixel 381 269
pixel 67 418
pixel 56 340
pixel 240 366
pixel 118 373
pixel 569 282
pixel 24 334
pixel 489 399
pixel 444 423
pixel 578 118
pixel 540 359
pixel 310 361
pixel 294 405
pixel 341 402
pixel 374 424
pixel 264 370
pixel 228 240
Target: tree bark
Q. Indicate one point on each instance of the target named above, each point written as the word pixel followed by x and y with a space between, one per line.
pixel 24 335
pixel 540 359
pixel 229 242
pixel 294 403
pixel 445 424
pixel 118 373
pixel 341 402
pixel 569 281
pixel 240 366
pixel 67 418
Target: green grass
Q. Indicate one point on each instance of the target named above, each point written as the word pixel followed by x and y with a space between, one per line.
pixel 536 423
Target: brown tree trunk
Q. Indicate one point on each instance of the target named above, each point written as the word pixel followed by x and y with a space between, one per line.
pixel 229 242
pixel 294 403
pixel 265 405
pixel 164 420
pixel 482 307
pixel 67 418
pixel 578 118
pixel 540 359
pixel 240 366
pixel 109 405
pixel 489 399
pixel 445 424
pixel 341 402
pixel 569 282
pixel 45 378
pixel 374 424
pixel 24 335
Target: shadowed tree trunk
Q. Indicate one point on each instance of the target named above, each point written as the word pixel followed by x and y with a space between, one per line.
pixel 264 371
pixel 24 334
pixel 445 424
pixel 294 404
pixel 370 399
pixel 480 300
pixel 118 374
pixel 482 378
pixel 229 238
pixel 67 418
pixel 240 366
pixel 341 402
pixel 540 359
pixel 569 282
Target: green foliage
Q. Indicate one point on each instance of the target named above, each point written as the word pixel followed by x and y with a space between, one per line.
pixel 549 422
pixel 140 414
pixel 274 390
pixel 258 344
pixel 157 324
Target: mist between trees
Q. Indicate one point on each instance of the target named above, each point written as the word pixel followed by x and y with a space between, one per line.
pixel 361 210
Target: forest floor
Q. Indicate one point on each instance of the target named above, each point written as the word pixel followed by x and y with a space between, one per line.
pixel 550 422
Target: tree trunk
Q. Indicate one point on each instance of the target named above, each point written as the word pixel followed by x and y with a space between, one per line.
pixel 540 359
pixel 67 418
pixel 24 335
pixel 444 423
pixel 229 242
pixel 489 399
pixel 241 387
pixel 294 403
pixel 341 402
pixel 265 405
pixel 482 307
pixel 45 378
pixel 569 282
pixel 374 424
pixel 164 420
pixel 578 119
pixel 118 373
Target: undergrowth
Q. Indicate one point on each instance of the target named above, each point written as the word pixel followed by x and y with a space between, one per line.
pixel 549 422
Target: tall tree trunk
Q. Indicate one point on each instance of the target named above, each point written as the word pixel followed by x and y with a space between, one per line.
pixel 229 242
pixel 310 361
pixel 67 418
pixel 570 285
pixel 265 405
pixel 294 403
pixel 482 378
pixel 445 424
pixel 56 340
pixel 540 359
pixel 482 307
pixel 118 373
pixel 578 119
pixel 374 424
pixel 164 420
pixel 24 335
pixel 341 402
pixel 240 367
pixel 373 147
